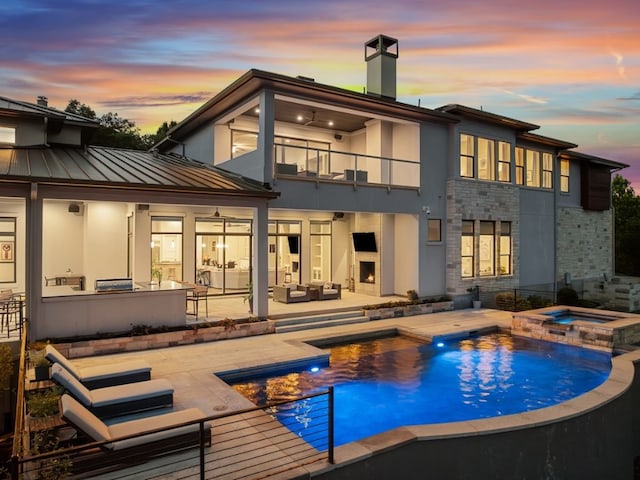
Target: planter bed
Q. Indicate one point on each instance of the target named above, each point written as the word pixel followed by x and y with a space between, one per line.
pixel 87 348
pixel 407 310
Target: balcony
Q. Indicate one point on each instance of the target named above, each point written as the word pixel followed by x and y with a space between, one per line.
pixel 351 168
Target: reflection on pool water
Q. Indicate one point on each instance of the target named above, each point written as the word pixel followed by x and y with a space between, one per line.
pixel 389 382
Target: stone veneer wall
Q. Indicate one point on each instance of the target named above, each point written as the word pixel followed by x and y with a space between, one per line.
pixel 584 243
pixel 478 200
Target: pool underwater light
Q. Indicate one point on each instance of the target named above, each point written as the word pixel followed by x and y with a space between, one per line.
pixel 440 344
pixel 315 369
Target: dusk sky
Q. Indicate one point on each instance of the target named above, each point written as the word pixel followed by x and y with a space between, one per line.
pixel 571 66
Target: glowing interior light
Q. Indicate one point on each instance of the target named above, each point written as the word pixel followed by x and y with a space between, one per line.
pixel 440 344
pixel 314 369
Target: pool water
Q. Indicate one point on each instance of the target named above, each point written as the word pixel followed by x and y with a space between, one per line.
pixel 566 319
pixel 385 383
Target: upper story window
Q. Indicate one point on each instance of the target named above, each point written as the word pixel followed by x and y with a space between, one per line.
pixel 519 166
pixel 547 170
pixel 467 155
pixel 564 175
pixel 533 168
pixel 504 162
pixel 243 142
pixel 489 158
pixel 8 135
pixel 486 159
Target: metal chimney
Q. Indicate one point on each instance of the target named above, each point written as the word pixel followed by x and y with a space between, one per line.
pixel 43 101
pixel 380 53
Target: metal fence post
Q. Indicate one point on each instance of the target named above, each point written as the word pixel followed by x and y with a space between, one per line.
pixel 202 442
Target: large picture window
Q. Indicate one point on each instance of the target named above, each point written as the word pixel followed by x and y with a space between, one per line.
pixel 466 249
pixel 223 254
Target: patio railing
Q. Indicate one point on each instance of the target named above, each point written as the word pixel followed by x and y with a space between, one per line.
pixel 352 168
pixel 258 442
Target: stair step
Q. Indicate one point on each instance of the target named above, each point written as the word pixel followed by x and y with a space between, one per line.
pixel 320 324
pixel 317 318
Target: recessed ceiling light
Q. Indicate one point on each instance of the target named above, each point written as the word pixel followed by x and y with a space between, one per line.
pixel 299 118
pixel 256 110
pixel 331 123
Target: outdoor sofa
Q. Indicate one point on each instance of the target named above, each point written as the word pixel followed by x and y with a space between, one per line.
pixel 105 375
pixel 119 399
pixel 130 442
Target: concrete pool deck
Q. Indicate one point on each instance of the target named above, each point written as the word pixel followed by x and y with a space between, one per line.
pixel 191 368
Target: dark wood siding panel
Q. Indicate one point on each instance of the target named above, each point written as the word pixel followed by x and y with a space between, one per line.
pixel 595 187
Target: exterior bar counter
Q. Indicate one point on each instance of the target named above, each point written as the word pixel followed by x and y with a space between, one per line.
pixel 68 312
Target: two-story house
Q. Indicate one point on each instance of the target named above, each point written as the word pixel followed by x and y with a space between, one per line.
pixel 279 179
pixel 444 199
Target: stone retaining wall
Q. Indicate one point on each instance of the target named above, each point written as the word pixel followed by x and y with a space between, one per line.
pixel 106 346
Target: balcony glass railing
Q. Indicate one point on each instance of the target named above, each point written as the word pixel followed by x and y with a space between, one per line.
pixel 291 160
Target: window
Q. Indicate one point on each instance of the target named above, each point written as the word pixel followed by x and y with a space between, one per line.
pixel 8 135
pixel 504 162
pixel 166 248
pixel 466 249
pixel 486 159
pixel 320 236
pixel 505 248
pixel 434 233
pixel 487 248
pixel 7 249
pixel 243 142
pixel 564 175
pixel 519 166
pixel 533 168
pixel 466 155
pixel 547 170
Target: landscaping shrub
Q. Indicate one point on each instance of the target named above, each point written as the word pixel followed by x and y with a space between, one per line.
pixel 568 296
pixel 538 301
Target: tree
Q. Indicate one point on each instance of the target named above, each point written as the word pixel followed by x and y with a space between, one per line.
pixel 114 131
pixel 626 206
pixel 152 138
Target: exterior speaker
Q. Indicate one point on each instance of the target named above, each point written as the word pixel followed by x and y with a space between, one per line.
pixel 338 215
pixel 74 208
pixel 143 207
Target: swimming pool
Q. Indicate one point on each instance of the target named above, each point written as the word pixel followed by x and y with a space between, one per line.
pixel 384 383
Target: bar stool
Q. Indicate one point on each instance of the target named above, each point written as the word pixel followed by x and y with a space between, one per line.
pixel 194 295
pixel 10 311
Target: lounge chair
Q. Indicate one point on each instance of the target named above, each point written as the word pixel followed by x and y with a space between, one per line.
pixel 134 441
pixel 119 399
pixel 104 375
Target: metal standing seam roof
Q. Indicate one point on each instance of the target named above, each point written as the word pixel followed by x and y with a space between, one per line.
pixel 105 166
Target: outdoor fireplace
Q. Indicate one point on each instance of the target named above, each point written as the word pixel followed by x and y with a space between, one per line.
pixel 367 272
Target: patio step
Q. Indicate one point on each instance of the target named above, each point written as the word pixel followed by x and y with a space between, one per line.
pixel 319 321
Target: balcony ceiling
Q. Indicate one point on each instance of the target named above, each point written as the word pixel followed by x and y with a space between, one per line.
pixel 317 117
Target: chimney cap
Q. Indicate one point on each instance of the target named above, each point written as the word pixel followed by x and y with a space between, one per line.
pixel 381 44
pixel 42 101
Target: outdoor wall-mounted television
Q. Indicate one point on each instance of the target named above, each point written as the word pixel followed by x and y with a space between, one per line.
pixel 294 244
pixel 364 242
